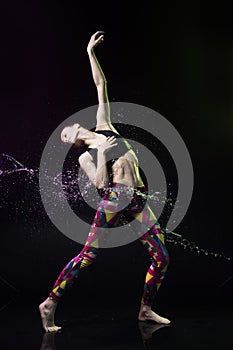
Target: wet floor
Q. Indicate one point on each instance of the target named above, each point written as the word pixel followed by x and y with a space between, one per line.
pixel 192 327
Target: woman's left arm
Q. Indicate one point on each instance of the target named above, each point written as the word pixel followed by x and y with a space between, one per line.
pixel 103 112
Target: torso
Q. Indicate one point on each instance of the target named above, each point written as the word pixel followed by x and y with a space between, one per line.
pixel 124 169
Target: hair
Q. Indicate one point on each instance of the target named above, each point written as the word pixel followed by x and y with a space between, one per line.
pixel 79 143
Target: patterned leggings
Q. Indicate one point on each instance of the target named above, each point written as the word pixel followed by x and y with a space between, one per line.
pixel 142 220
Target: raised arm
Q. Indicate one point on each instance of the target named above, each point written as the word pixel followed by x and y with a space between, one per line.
pixel 103 113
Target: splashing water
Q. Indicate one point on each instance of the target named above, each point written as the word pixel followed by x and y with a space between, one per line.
pixel 11 170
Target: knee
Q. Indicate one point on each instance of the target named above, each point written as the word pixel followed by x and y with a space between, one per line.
pixel 89 254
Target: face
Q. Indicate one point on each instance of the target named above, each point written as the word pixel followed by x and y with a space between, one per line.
pixel 70 133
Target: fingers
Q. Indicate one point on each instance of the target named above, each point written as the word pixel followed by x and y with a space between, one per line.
pixel 100 39
pixel 98 36
pixel 98 32
pixel 110 146
pixel 111 139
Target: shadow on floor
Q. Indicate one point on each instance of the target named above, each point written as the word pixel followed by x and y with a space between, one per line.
pixel 206 327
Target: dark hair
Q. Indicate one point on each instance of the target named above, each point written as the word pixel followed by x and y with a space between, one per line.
pixel 79 143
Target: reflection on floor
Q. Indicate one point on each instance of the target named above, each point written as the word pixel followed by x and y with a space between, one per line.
pixel 205 327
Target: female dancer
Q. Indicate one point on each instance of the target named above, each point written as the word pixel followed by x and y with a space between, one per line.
pixel 118 181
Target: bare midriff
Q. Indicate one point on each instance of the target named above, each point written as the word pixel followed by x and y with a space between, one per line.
pixel 125 170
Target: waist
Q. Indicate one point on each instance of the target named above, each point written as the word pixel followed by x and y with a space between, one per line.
pixel 127 189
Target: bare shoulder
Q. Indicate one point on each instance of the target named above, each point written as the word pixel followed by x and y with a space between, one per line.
pixel 106 126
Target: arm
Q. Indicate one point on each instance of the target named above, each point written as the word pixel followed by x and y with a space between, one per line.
pixel 98 175
pixel 101 179
pixel 103 112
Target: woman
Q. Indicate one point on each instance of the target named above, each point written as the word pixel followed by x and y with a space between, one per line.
pixel 118 181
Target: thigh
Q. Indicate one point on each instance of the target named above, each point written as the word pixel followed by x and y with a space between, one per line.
pixel 147 225
pixel 107 216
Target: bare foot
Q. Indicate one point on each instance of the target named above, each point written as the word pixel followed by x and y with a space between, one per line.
pixel 47 310
pixel 146 314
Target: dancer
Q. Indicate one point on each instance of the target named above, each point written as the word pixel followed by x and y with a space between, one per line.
pixel 118 181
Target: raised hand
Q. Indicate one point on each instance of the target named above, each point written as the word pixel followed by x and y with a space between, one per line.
pixel 96 38
pixel 107 145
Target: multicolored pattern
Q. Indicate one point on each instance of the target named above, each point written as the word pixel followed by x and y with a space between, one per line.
pixel 115 204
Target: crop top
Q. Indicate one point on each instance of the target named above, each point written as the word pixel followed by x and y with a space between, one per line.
pixel 113 154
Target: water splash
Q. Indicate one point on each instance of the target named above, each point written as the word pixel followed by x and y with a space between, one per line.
pixel 177 239
pixel 13 173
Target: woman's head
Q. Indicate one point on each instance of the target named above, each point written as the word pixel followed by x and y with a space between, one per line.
pixel 77 135
pixel 71 133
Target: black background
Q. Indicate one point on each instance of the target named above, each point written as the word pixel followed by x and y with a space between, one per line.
pixel 174 58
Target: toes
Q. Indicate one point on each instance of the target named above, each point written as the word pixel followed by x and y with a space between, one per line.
pixel 159 320
pixel 165 321
pixel 53 329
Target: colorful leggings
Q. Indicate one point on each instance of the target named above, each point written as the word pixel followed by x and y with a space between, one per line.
pixel 142 220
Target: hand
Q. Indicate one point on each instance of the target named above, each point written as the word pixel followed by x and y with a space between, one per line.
pixel 107 145
pixel 96 38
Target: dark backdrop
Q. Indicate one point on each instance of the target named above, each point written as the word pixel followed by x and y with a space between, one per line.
pixel 175 59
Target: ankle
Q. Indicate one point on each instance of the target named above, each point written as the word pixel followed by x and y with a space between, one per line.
pixel 50 302
pixel 145 307
pixel 53 300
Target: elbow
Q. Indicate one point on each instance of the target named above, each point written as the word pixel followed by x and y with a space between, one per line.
pixel 97 183
pixel 100 184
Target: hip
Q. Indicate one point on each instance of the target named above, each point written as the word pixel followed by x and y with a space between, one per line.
pixel 122 197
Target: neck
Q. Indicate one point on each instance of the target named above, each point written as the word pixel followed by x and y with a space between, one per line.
pixel 93 139
pixel 88 137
